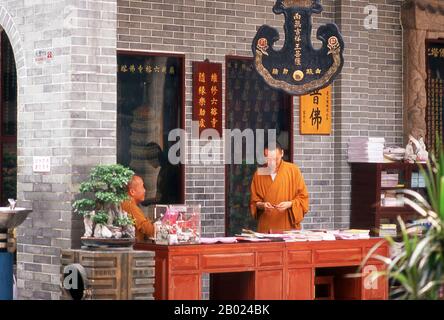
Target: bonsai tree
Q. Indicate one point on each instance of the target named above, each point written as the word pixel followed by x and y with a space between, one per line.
pixel 102 194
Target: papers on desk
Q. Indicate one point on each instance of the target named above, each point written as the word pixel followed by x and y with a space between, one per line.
pixel 247 235
pixel 218 240
pixel 310 235
pixel 352 234
pixel 251 239
pixel 305 235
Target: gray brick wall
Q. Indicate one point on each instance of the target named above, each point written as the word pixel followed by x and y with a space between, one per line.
pixel 366 98
pixel 66 110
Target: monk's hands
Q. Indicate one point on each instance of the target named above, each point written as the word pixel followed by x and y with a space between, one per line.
pixel 284 205
pixel 264 205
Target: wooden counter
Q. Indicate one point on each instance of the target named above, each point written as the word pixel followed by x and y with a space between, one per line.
pixel 267 270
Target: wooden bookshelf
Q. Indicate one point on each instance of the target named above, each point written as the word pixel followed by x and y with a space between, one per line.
pixel 366 209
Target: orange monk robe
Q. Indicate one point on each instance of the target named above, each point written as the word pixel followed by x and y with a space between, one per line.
pixel 144 226
pixel 288 185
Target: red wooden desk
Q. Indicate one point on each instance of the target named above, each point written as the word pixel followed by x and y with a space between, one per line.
pixel 267 270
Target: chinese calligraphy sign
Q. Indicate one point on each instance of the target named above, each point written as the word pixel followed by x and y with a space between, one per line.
pixel 207 95
pixel 435 92
pixel 298 68
pixel 316 112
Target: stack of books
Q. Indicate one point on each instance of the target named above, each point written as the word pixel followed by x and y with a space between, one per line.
pixel 389 179
pixel 418 180
pixel 366 149
pixel 389 198
pixel 392 154
pixel 388 230
pixel 352 234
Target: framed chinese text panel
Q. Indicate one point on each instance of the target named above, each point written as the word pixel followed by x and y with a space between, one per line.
pixel 435 90
pixel 150 103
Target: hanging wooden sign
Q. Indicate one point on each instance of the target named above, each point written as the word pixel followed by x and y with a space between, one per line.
pixel 315 115
pixel 298 68
pixel 207 95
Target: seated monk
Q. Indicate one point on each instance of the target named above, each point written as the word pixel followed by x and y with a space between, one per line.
pixel 136 192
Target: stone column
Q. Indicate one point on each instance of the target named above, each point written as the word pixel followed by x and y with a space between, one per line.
pixel 421 20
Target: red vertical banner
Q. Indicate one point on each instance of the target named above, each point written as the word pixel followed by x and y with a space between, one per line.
pixel 207 95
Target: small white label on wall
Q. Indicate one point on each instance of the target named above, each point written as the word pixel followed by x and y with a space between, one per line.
pixel 43 56
pixel 41 164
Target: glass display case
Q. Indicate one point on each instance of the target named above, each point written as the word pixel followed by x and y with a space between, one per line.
pixel 177 224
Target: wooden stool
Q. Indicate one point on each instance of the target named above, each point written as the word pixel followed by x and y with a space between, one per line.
pixel 328 283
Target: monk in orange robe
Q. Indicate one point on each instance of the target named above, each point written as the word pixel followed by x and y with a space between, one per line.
pixel 136 192
pixel 279 197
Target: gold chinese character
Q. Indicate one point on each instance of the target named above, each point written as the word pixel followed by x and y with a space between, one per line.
pixel 140 68
pixel 202 112
pixel 124 68
pixel 202 77
pixel 202 123
pixel 213 90
pixel 156 69
pixel 164 69
pixel 172 71
pixel 214 101
pixel 202 101
pixel 213 122
pixel 214 77
pixel 434 52
pixel 132 68
pixel 213 112
pixel 275 71
pixel 148 69
pixel 318 71
pixel 309 71
pixel 285 71
pixel 202 91
pixel 441 53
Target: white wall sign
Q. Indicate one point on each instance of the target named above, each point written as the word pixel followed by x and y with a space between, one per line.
pixel 41 164
pixel 43 56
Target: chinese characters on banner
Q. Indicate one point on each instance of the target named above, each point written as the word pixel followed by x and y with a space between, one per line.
pixel 315 115
pixel 207 95
pixel 145 69
pixel 435 89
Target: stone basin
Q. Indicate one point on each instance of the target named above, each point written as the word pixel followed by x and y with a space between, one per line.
pixel 12 218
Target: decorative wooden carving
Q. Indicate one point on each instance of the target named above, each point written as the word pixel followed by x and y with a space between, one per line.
pixel 421 20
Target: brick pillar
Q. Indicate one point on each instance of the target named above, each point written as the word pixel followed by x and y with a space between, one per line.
pixel 66 111
pixel 350 99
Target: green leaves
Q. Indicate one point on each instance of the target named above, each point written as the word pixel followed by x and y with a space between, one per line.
pixel 84 206
pixel 105 188
pixel 124 221
pixel 418 269
pixel 100 217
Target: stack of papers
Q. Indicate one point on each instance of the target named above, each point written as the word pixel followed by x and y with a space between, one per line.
pixel 310 235
pixel 389 179
pixel 387 229
pixel 352 234
pixel 220 240
pixel 366 149
pixel 394 154
pixel 306 235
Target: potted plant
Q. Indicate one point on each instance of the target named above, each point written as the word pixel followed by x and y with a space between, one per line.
pixel 417 268
pixel 99 205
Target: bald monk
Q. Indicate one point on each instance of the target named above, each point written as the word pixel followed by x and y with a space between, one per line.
pixel 279 197
pixel 136 193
